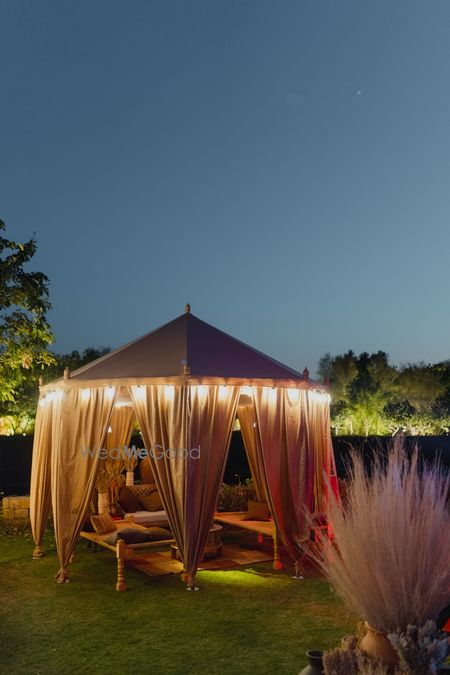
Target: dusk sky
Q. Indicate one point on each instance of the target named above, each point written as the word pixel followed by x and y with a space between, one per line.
pixel 282 166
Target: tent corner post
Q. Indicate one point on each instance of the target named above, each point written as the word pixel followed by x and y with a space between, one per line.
pixel 277 564
pixel 120 553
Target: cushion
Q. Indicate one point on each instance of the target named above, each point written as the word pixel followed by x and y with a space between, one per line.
pixel 143 489
pixel 146 517
pixel 131 535
pixel 158 534
pixel 257 511
pixel 103 523
pixel 128 500
pixel 152 502
pixel 112 538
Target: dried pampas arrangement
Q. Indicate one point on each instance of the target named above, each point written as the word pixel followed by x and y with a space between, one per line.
pixel 390 557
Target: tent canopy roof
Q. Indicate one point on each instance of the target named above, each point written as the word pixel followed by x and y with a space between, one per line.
pixel 186 341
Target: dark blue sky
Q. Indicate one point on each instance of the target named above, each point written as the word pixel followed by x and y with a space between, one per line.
pixel 283 166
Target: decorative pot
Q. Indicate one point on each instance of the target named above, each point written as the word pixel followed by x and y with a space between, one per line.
pixel 375 644
pixel 102 502
pixel 315 667
pixel 130 478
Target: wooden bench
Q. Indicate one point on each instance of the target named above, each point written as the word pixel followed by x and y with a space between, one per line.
pixel 261 527
pixel 121 549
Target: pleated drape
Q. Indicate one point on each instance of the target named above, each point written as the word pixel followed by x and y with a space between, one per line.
pixel 251 438
pixel 319 435
pixel 40 490
pixel 286 457
pixel 81 419
pixel 121 426
pixel 187 431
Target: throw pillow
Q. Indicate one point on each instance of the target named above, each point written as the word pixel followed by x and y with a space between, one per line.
pixel 129 501
pixel 103 523
pixel 152 502
pixel 257 511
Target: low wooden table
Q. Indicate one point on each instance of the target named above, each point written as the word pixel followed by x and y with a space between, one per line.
pixel 213 546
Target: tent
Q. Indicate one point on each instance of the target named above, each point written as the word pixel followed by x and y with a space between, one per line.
pixel 185 383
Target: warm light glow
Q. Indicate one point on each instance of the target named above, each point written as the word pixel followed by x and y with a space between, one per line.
pixel 109 392
pixel 202 392
pixel 246 391
pixel 52 396
pixel 293 396
pixel 169 392
pixel 110 429
pixel 271 394
pixel 223 391
pixel 319 396
pixel 139 392
pixel 123 404
pixel 85 394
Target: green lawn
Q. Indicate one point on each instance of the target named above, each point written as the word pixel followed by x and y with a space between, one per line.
pixel 250 620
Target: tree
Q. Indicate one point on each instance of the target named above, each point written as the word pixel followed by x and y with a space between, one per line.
pixel 18 416
pixel 440 411
pixel 398 415
pixel 369 396
pixel 24 330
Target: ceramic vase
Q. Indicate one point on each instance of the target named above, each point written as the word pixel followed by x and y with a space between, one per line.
pixel 315 665
pixel 375 644
pixel 102 502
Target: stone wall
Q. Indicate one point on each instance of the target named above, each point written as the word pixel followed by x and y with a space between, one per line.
pixel 16 508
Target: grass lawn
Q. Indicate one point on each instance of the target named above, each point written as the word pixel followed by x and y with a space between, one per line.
pixel 249 620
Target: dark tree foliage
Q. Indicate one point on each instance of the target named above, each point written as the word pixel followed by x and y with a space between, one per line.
pixel 370 396
pixel 24 330
pixel 19 414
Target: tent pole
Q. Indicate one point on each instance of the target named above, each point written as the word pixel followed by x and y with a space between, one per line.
pixel 120 552
pixel 277 564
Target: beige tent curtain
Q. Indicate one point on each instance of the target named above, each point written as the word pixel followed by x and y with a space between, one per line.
pixel 40 491
pixel 286 458
pixel 318 420
pixel 121 426
pixel 82 417
pixel 250 436
pixel 187 430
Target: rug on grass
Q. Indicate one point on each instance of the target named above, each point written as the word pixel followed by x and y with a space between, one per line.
pixel 157 564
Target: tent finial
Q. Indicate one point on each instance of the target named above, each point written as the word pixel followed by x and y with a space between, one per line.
pixel 187 308
pixel 41 381
pixel 66 373
pixel 306 374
